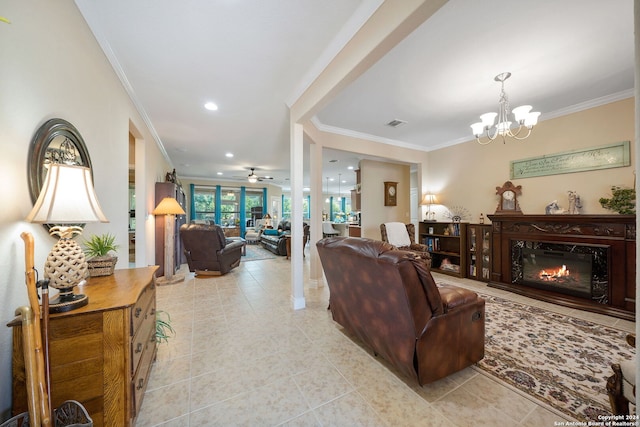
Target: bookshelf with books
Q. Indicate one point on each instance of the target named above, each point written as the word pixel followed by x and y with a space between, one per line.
pixel 479 252
pixel 446 242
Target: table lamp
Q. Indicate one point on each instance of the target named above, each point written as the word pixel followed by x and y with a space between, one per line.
pixel 68 200
pixel 169 207
pixel 428 200
pixel 266 221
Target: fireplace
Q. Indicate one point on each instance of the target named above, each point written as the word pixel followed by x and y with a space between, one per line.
pixel 556 269
pixel 580 261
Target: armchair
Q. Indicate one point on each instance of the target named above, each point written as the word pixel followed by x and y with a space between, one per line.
pixel 207 250
pixel 388 299
pixel 621 386
pixel 402 236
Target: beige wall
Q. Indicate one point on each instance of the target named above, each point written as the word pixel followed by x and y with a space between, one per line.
pixel 53 67
pixel 467 174
pixel 374 212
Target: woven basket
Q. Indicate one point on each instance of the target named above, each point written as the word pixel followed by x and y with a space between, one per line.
pixel 101 266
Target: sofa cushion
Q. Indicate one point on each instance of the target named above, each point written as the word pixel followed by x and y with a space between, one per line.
pixel 271 232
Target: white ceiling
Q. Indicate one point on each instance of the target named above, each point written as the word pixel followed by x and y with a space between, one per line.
pixel 253 57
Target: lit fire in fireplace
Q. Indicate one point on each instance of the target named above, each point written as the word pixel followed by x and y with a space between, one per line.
pixel 554 275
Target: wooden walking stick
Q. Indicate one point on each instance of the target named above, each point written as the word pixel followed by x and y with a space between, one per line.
pixel 30 365
pixel 32 292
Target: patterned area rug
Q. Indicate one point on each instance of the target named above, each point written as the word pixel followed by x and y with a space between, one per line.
pixel 558 359
pixel 256 253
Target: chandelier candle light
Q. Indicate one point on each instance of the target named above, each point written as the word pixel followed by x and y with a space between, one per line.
pixel 67 199
pixel 523 116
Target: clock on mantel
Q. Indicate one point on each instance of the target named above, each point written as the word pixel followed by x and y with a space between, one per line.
pixel 508 203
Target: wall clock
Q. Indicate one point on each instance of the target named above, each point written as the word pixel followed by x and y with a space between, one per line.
pixel 508 203
pixel 390 193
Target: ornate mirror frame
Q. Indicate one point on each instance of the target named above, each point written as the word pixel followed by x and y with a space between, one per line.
pixel 56 141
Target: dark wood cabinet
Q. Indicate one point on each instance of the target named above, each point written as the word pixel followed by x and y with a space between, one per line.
pixel 479 252
pixel 447 244
pixel 608 242
pixel 169 189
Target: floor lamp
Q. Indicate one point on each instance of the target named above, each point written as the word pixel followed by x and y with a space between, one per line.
pixel 169 207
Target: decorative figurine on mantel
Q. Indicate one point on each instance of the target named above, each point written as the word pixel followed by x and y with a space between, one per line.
pixel 553 209
pixel 574 203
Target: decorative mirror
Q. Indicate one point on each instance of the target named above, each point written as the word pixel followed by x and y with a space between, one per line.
pixel 56 141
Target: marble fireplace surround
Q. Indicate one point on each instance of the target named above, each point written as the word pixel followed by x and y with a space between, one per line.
pixel 613 235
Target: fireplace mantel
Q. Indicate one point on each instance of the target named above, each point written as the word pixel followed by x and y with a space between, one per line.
pixel 616 233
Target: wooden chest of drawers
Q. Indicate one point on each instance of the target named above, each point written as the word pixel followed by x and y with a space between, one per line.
pixel 100 354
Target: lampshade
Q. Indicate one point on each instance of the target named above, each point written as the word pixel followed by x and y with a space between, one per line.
pixel 429 199
pixel 168 206
pixel 67 197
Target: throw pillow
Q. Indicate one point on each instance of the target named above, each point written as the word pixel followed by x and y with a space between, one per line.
pixel 271 232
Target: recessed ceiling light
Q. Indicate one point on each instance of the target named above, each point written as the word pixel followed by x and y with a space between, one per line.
pixel 350 168
pixel 211 106
pixel 219 173
pixel 229 155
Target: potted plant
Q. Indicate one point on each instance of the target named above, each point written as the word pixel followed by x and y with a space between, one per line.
pixel 164 330
pixel 99 252
pixel 623 200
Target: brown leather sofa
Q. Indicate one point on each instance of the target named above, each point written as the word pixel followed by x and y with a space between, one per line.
pixel 388 299
pixel 207 250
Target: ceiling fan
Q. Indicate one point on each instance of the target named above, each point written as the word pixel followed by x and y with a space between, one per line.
pixel 255 178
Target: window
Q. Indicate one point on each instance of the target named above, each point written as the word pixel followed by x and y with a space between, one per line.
pixel 230 207
pixel 205 203
pixel 253 200
pixel 286 207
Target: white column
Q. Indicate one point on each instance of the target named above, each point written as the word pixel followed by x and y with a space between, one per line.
pixel 297 161
pixel 315 161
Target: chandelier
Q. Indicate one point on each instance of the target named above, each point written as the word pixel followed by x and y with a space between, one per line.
pixel 525 119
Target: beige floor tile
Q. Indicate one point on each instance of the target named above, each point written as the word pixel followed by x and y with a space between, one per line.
pixel 164 404
pixel 465 409
pixel 242 356
pixel 322 384
pixel 500 397
pixel 348 410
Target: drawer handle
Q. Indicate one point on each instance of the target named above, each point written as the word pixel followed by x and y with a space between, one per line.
pixel 138 311
pixel 140 384
pixel 153 311
pixel 139 347
pixel 153 338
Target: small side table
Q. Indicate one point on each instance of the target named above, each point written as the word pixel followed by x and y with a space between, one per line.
pixel 304 243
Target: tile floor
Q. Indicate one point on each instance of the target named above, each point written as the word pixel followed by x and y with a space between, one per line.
pixel 243 357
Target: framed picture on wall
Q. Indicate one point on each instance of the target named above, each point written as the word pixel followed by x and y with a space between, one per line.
pixel 390 193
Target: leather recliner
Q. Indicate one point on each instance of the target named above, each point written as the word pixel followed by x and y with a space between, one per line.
pixel 207 250
pixel 388 299
pixel 418 248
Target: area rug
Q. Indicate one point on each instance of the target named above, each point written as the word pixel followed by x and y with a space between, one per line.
pixel 256 253
pixel 560 360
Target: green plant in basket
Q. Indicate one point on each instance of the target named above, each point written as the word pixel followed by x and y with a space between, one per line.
pixel 164 330
pixel 623 200
pixel 100 245
pixel 98 249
